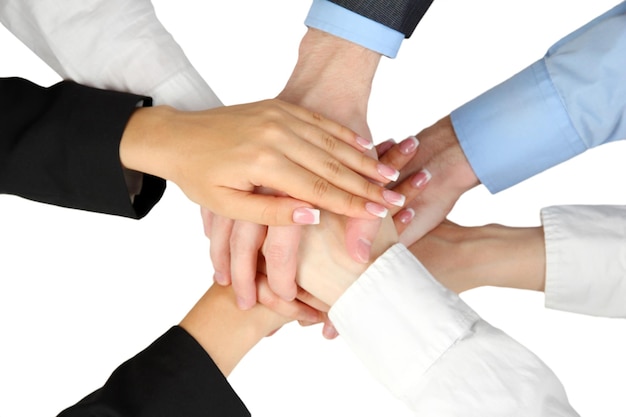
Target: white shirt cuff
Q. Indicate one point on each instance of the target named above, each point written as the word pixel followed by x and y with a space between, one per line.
pixel 586 259
pixel 379 321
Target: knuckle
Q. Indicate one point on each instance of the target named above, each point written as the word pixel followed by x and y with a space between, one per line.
pixel 333 167
pixel 370 188
pixel 317 116
pixel 276 253
pixel 321 187
pixel 272 129
pixel 268 299
pixel 351 201
pixel 265 159
pixel 273 111
pixel 329 143
pixel 270 216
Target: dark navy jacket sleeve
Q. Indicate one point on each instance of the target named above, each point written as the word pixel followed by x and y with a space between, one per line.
pixel 400 15
pixel 60 145
pixel 173 377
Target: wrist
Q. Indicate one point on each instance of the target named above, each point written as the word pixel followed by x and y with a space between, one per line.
pixel 516 257
pixel 496 255
pixel 462 258
pixel 226 332
pixel 439 146
pixel 325 73
pixel 325 269
pixel 144 144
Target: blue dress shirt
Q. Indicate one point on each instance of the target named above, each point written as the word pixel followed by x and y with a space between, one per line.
pixel 343 23
pixel 571 100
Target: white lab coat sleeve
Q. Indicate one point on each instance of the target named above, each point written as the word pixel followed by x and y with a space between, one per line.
pixel 434 353
pixel 112 44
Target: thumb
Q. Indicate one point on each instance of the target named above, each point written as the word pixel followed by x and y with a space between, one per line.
pixel 360 234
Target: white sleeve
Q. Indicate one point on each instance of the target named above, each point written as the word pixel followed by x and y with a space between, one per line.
pixel 112 44
pixel 586 259
pixel 433 352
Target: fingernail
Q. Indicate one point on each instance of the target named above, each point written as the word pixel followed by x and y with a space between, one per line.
pixel 376 209
pixel 388 172
pixel 405 216
pixel 363 249
pixel 219 278
pixel 306 215
pixel 409 145
pixel 421 178
pixel 243 304
pixel 366 143
pixel 330 332
pixel 394 198
pixel 288 297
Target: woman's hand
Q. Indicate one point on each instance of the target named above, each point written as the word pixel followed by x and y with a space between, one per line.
pixel 219 157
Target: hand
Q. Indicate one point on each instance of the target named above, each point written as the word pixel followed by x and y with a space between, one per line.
pixel 462 258
pixel 325 269
pixel 441 158
pixel 219 156
pixel 323 81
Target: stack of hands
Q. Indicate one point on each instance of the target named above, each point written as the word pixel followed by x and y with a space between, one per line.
pixel 433 174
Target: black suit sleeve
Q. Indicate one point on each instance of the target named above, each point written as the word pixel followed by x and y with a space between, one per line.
pixel 60 145
pixel 173 377
pixel 401 15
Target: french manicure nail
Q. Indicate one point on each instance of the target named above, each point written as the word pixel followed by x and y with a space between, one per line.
pixel 394 198
pixel 363 250
pixel 306 215
pixel 376 209
pixel 409 145
pixel 421 179
pixel 366 143
pixel 388 172
pixel 406 216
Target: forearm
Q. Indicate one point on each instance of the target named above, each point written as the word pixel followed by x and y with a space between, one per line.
pixel 462 258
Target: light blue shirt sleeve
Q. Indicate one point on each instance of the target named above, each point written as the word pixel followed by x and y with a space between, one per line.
pixel 343 23
pixel 571 100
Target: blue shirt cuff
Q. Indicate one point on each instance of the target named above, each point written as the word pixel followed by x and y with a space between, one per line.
pixel 516 130
pixel 343 23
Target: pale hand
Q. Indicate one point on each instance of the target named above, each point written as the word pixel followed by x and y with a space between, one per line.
pixel 218 157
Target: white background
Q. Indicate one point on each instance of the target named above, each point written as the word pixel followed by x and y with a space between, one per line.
pixel 82 292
